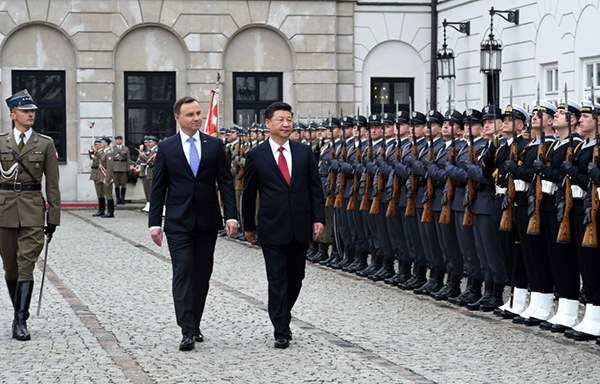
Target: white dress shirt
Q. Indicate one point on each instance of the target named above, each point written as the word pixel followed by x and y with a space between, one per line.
pixel 286 153
pixel 17 135
pixel 186 145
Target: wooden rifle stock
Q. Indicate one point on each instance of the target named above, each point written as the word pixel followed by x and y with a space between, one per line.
pixel 330 201
pixel 377 197
pixel 468 217
pixel 364 204
pixel 411 209
pixel 427 214
pixel 535 220
pixel 446 214
pixel 506 223
pixel 590 237
pixel 391 211
pixel 564 229
pixel 339 200
pixel 352 202
pixel 240 183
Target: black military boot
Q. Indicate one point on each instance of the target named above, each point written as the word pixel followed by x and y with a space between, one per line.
pixel 451 289
pixel 323 253
pixel 495 300
pixel 101 203
pixel 470 295
pixel 22 301
pixel 433 284
pixel 335 255
pixel 373 267
pixel 123 190
pixel 111 209
pixel 360 262
pixel 386 270
pixel 348 259
pixel 118 195
pixel 487 295
pixel 417 279
pixel 395 280
pixel 313 248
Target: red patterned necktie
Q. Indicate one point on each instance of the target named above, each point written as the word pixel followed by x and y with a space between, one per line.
pixel 283 166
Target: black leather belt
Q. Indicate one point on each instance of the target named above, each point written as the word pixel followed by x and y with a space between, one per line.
pixel 94 167
pixel 121 160
pixel 18 187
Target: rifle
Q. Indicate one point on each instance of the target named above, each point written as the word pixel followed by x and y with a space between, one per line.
pixel 330 201
pixel 339 200
pixel 426 217
pixel 446 214
pixel 364 204
pixel 535 221
pixel 391 211
pixel 564 229
pixel 377 197
pixel 352 202
pixel 506 223
pixel 411 209
pixel 468 217
pixel 590 237
pixel 309 130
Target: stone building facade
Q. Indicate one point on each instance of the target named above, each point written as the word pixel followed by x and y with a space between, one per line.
pixel 121 63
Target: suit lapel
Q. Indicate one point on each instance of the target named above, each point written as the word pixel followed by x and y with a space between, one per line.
pixel 181 155
pixel 204 148
pixel 270 159
pixel 295 161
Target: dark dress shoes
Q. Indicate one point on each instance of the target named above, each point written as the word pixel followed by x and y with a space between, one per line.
pixel 582 336
pixel 187 343
pixel 557 328
pixel 282 343
pixel 198 337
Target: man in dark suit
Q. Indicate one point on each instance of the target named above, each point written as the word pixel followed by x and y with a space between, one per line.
pixel 188 165
pixel 291 213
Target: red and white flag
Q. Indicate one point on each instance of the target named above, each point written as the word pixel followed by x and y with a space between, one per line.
pixel 213 113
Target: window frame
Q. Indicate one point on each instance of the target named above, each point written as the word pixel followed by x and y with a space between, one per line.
pixel 148 105
pixel 61 146
pixel 257 105
pixel 391 107
pixel 595 63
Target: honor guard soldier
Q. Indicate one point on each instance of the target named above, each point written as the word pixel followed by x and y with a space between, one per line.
pixel 223 135
pixel 148 156
pixel 122 164
pixel 576 172
pixel 397 225
pixel 94 176
pixel 26 157
pixel 425 193
pixel 494 166
pixel 413 183
pixel 106 174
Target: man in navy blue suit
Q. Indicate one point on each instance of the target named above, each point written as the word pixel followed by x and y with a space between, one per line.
pixel 292 212
pixel 188 167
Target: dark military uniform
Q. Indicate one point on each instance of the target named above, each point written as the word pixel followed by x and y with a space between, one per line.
pixel 22 206
pixel 106 178
pixel 148 157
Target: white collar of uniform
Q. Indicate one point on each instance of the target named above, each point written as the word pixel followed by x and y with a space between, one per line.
pixel 389 141
pixel 566 141
pixel 475 140
pixel 447 144
pixel 17 134
pixel 376 142
pixel 234 142
pixel 275 146
pixel 337 141
pixel 591 143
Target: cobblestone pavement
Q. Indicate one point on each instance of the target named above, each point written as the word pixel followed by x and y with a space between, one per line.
pixel 107 317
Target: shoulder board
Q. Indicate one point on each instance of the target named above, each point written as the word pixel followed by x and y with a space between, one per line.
pixel 4 134
pixel 45 137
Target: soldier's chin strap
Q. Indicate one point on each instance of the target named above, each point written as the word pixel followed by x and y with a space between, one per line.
pixel 23 165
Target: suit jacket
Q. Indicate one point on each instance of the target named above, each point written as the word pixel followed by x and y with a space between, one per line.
pixel 286 211
pixel 191 200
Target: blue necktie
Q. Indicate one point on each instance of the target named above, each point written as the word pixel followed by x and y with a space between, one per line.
pixel 194 157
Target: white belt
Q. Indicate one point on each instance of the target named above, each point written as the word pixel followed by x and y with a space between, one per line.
pixel 578 193
pixel 500 190
pixel 548 187
pixel 521 186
